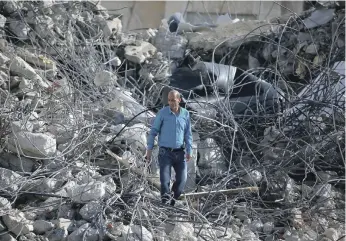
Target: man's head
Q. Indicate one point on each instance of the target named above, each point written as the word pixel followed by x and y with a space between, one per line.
pixel 174 100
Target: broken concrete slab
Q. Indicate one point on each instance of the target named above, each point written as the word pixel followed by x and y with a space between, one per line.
pixel 4 204
pixel 105 78
pixel 19 67
pixel 16 163
pixel 318 18
pixel 4 59
pixel 17 223
pixel 7 237
pixel 138 232
pixel 312 49
pixel 171 45
pixel 91 210
pixel 126 104
pixel 37 60
pixel 84 232
pixel 112 27
pixel 42 226
pixel 182 232
pixel 87 192
pixel 58 234
pixel 139 52
pixel 211 160
pixel 19 28
pixel 32 144
pixel 9 180
pixel 229 35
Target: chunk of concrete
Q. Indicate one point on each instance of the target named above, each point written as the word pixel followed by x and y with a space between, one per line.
pixel 90 210
pixel 302 37
pixel 182 232
pixel 105 78
pixel 17 223
pixel 331 234
pixel 138 232
pixel 4 59
pixel 232 35
pixel 112 27
pixel 38 60
pixel 32 144
pixel 211 161
pixel 135 136
pixel 140 52
pixel 84 232
pixel 318 18
pixel 87 192
pixel 18 28
pixel 7 237
pixel 62 223
pixel 4 204
pixel 171 45
pixel 15 163
pixel 2 21
pixel 311 49
pixel 253 176
pixel 63 132
pixel 22 126
pixel 45 185
pixel 268 227
pixel 21 68
pixel 9 180
pixel 42 226
pixel 59 234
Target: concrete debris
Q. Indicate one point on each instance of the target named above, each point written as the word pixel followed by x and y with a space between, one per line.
pixel 90 211
pixel 319 17
pixel 87 192
pixel 9 180
pixel 4 203
pixel 58 234
pixel 211 161
pixel 112 27
pixel 209 40
pixel 267 110
pixel 7 237
pixel 42 226
pixel 17 223
pixel 172 46
pixel 15 163
pixel 182 232
pixel 32 144
pixel 21 68
pixel 139 51
pixel 105 78
pixel 136 232
pixel 84 232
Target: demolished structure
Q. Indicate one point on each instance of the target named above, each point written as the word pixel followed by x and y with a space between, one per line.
pixel 78 97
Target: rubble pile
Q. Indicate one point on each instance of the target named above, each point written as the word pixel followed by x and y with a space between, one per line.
pixel 78 96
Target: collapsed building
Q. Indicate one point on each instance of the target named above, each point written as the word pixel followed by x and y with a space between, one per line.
pixel 78 96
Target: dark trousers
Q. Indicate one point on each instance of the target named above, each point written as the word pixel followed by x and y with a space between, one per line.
pixel 168 159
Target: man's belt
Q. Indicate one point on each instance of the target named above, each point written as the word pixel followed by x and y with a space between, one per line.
pixel 172 149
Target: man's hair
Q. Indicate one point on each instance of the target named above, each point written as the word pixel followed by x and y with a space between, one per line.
pixel 175 93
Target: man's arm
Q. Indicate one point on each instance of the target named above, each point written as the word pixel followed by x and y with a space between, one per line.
pixel 188 135
pixel 155 129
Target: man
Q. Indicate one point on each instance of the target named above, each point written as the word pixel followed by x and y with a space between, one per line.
pixel 173 125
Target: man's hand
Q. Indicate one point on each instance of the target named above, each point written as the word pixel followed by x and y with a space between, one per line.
pixel 148 155
pixel 188 157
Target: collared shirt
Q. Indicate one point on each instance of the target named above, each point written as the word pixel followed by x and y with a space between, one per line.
pixel 173 129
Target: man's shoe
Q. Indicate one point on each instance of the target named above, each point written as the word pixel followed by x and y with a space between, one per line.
pixel 172 203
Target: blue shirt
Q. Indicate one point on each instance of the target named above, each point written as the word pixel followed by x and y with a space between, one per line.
pixel 173 129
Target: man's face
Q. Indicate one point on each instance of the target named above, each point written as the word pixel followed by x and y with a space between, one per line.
pixel 173 101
